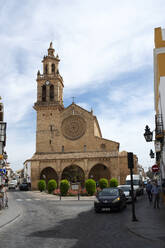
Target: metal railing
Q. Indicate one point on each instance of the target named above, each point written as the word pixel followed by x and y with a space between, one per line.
pixel 159 126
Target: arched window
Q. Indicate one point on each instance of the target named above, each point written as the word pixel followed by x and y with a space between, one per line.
pixel 44 93
pixel 53 68
pixel 46 68
pixel 51 92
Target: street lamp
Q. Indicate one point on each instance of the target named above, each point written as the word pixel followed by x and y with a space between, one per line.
pixel 151 154
pixel 148 134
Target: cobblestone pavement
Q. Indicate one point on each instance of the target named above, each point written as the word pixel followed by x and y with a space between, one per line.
pixel 47 222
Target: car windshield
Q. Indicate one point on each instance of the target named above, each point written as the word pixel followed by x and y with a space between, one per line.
pixel 109 192
pixel 135 182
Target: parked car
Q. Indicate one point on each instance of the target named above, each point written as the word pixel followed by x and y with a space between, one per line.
pixel 24 186
pixel 12 184
pixel 110 199
pixel 127 192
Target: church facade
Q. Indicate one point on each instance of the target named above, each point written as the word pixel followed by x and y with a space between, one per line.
pixel 69 143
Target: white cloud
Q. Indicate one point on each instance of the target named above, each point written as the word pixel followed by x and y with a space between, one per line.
pixel 96 42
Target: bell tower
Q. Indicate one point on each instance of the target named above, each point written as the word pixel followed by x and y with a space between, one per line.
pixel 49 102
pixel 50 83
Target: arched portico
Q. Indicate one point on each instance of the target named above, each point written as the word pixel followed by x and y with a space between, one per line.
pixel 99 171
pixel 74 174
pixel 48 173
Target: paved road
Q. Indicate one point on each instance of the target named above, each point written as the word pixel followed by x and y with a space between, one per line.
pixel 49 223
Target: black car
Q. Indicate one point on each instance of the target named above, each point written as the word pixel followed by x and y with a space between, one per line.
pixel 110 199
pixel 24 186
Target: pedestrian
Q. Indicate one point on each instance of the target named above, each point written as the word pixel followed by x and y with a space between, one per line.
pixel 1 198
pixel 156 194
pixel 148 190
pixel 5 198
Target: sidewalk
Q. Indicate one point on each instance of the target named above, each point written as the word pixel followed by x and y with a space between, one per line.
pixel 63 198
pixel 10 214
pixel 151 222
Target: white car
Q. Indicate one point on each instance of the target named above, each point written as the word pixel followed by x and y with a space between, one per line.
pixel 127 192
pixel 12 184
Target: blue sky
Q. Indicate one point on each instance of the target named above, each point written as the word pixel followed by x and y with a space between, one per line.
pixel 106 52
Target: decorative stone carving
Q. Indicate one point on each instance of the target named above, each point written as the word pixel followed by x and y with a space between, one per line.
pixel 73 127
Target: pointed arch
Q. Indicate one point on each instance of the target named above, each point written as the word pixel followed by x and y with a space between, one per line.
pixel 99 171
pixel 74 173
pixel 44 93
pixel 51 92
pixel 46 68
pixel 48 173
pixel 53 68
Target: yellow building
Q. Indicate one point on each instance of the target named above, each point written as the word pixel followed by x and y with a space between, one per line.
pixel 159 94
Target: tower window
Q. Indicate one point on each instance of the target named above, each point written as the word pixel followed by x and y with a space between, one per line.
pixel 44 93
pixel 103 146
pixel 85 148
pixel 51 92
pixel 53 68
pixel 50 142
pixel 62 148
pixel 46 68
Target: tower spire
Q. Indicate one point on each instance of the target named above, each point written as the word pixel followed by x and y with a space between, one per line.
pixel 51 49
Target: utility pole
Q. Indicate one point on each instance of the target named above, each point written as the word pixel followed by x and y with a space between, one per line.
pixel 131 166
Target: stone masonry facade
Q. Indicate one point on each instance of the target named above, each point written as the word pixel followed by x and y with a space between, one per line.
pixel 70 137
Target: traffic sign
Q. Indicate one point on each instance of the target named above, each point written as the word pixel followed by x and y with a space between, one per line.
pixel 155 168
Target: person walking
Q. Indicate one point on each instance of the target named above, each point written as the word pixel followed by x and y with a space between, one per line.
pixel 1 197
pixel 5 198
pixel 156 194
pixel 148 190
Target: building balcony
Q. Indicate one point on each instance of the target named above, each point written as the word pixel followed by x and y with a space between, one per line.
pixel 49 76
pixel 159 133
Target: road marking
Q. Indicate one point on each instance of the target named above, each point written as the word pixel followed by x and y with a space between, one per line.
pixel 28 199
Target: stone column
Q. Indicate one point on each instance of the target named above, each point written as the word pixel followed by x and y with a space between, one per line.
pixel 35 174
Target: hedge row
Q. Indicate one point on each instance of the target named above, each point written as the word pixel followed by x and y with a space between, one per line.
pixel 90 185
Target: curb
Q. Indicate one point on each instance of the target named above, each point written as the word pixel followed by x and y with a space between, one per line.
pixel 10 221
pixel 9 216
pixel 142 236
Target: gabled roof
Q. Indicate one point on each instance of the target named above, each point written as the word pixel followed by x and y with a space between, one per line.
pixel 73 104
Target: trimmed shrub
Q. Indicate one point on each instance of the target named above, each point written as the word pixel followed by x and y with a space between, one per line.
pixel 52 185
pixel 103 183
pixel 90 186
pixel 41 185
pixel 64 187
pixel 113 182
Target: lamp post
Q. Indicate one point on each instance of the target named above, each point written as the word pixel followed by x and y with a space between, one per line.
pixel 148 134
pixel 131 166
pixel 152 155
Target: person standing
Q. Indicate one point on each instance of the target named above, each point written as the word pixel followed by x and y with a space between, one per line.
pixel 1 197
pixel 5 198
pixel 148 190
pixel 156 194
